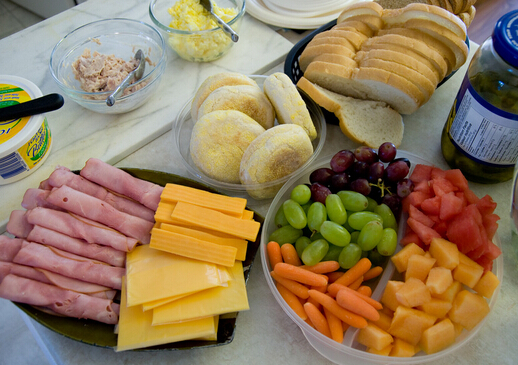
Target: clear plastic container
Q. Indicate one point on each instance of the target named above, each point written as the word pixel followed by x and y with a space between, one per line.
pixel 480 136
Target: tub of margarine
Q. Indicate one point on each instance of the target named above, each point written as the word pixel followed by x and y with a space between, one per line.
pixel 25 142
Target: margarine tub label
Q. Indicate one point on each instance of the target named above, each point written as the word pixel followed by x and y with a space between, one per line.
pixel 24 142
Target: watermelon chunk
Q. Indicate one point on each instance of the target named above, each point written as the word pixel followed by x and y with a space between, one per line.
pixel 456 177
pixel 421 173
pixel 415 213
pixel 442 186
pixel 464 229
pixel 415 198
pixel 424 186
pixel 485 262
pixel 431 206
pixel 451 205
pixel 424 233
pixel 486 205
pixel 437 172
pixel 490 222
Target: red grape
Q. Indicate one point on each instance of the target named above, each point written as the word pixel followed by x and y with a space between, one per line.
pixel 321 176
pixel 339 182
pixel 376 171
pixel 359 169
pixel 366 154
pixel 396 171
pixel 404 187
pixel 361 186
pixel 319 192
pixel 387 152
pixel 393 202
pixel 342 160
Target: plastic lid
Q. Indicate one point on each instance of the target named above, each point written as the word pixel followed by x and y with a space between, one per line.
pixel 505 37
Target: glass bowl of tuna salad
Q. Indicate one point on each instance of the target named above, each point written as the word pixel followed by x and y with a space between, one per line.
pixel 90 62
pixel 190 30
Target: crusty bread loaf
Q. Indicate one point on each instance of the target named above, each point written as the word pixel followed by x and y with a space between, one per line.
pixel 289 106
pixel 310 52
pixel 363 121
pixel 332 39
pixel 355 24
pixel 338 59
pixel 372 21
pixel 354 37
pixel 247 99
pixel 218 141
pixel 272 155
pixel 215 81
pixel 360 8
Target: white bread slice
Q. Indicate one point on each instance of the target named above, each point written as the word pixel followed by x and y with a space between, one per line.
pixel 338 59
pixel 364 121
pixel 360 8
pixel 356 24
pixel 342 41
pixel 415 38
pixel 409 59
pixel 310 52
pixel 397 17
pixel 372 21
pixel 354 37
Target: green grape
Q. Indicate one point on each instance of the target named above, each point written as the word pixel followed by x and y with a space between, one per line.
pixel 317 214
pixel 354 236
pixel 370 235
pixel 280 219
pixel 316 236
pixel 346 225
pixel 285 234
pixel 306 207
pixel 388 243
pixel 301 243
pixel 353 200
pixel 335 209
pixel 372 204
pixel 335 233
pixel 301 194
pixel 333 253
pixel 314 253
pixel 358 219
pixel 294 214
pixel 349 256
pixel 389 220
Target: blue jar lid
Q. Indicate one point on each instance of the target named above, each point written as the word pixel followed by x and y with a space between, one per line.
pixel 505 38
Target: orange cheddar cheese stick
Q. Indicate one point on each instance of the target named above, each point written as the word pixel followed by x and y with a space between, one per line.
pixel 274 253
pixel 164 211
pixel 247 214
pixel 290 255
pixel 334 288
pixel 296 288
pixel 296 273
pixel 335 326
pixel 345 315
pixel 318 319
pixel 372 273
pixel 323 267
pixel 355 272
pixel 292 300
pixel 355 304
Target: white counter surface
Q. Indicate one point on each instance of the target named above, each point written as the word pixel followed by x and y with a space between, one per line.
pixel 264 334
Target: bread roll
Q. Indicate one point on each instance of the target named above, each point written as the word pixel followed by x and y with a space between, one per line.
pixel 289 106
pixel 215 81
pixel 272 155
pixel 218 141
pixel 248 99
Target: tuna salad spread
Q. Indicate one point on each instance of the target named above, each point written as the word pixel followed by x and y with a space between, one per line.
pixel 97 72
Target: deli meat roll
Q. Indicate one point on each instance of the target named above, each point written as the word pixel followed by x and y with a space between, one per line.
pixel 18 225
pixel 119 181
pixel 9 247
pixel 65 302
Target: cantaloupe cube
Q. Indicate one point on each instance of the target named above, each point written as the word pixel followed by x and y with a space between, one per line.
pixel 400 259
pixel 438 337
pixel 487 284
pixel 445 252
pixel 389 312
pixel 458 329
pixel 408 324
pixel 418 267
pixel 468 309
pixel 384 321
pixel 439 279
pixel 374 337
pixel 468 274
pixel 450 293
pixel 464 259
pixel 388 298
pixel 413 293
pixel 401 348
pixel 427 254
pixel 383 352
pixel 436 307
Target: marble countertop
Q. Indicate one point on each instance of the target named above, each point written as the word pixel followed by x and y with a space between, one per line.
pixel 264 334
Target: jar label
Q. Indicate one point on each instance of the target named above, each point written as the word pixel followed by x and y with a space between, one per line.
pixel 483 132
pixel 12 95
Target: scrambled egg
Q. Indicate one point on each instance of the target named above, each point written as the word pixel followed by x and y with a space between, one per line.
pixel 189 15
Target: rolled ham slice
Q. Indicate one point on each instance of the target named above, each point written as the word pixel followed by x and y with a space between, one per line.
pixel 9 247
pixel 119 181
pixel 37 198
pixel 66 302
pixel 62 177
pixel 95 209
pixel 18 225
pixel 80 227
pixel 60 281
pixel 70 265
pixel 79 247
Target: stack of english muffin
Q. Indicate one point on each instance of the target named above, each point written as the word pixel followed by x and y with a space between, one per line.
pixel 235 139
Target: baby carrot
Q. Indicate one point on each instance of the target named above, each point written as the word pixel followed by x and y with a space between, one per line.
pixel 290 255
pixel 372 273
pixel 335 326
pixel 365 290
pixel 318 319
pixel 356 305
pixel 334 288
pixel 292 300
pixel 355 272
pixel 357 283
pixel 296 288
pixel 323 267
pixel 342 313
pixel 322 288
pixel 274 253
pixel 314 302
pixel 333 276
pixel 298 274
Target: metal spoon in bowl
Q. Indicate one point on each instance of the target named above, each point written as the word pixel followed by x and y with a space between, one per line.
pixel 207 4
pixel 134 75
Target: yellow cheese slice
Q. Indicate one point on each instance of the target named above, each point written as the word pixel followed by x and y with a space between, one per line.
pixel 213 337
pixel 154 275
pixel 207 303
pixel 136 331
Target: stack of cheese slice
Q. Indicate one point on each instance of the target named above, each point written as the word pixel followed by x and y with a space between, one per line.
pixel 176 287
pixel 397 56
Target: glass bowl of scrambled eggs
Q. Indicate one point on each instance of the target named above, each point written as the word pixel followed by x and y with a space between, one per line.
pixel 190 30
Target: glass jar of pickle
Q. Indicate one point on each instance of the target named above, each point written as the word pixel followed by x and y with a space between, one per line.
pixel 480 136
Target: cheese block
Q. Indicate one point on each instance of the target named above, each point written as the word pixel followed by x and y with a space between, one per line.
pixel 206 303
pixel 135 329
